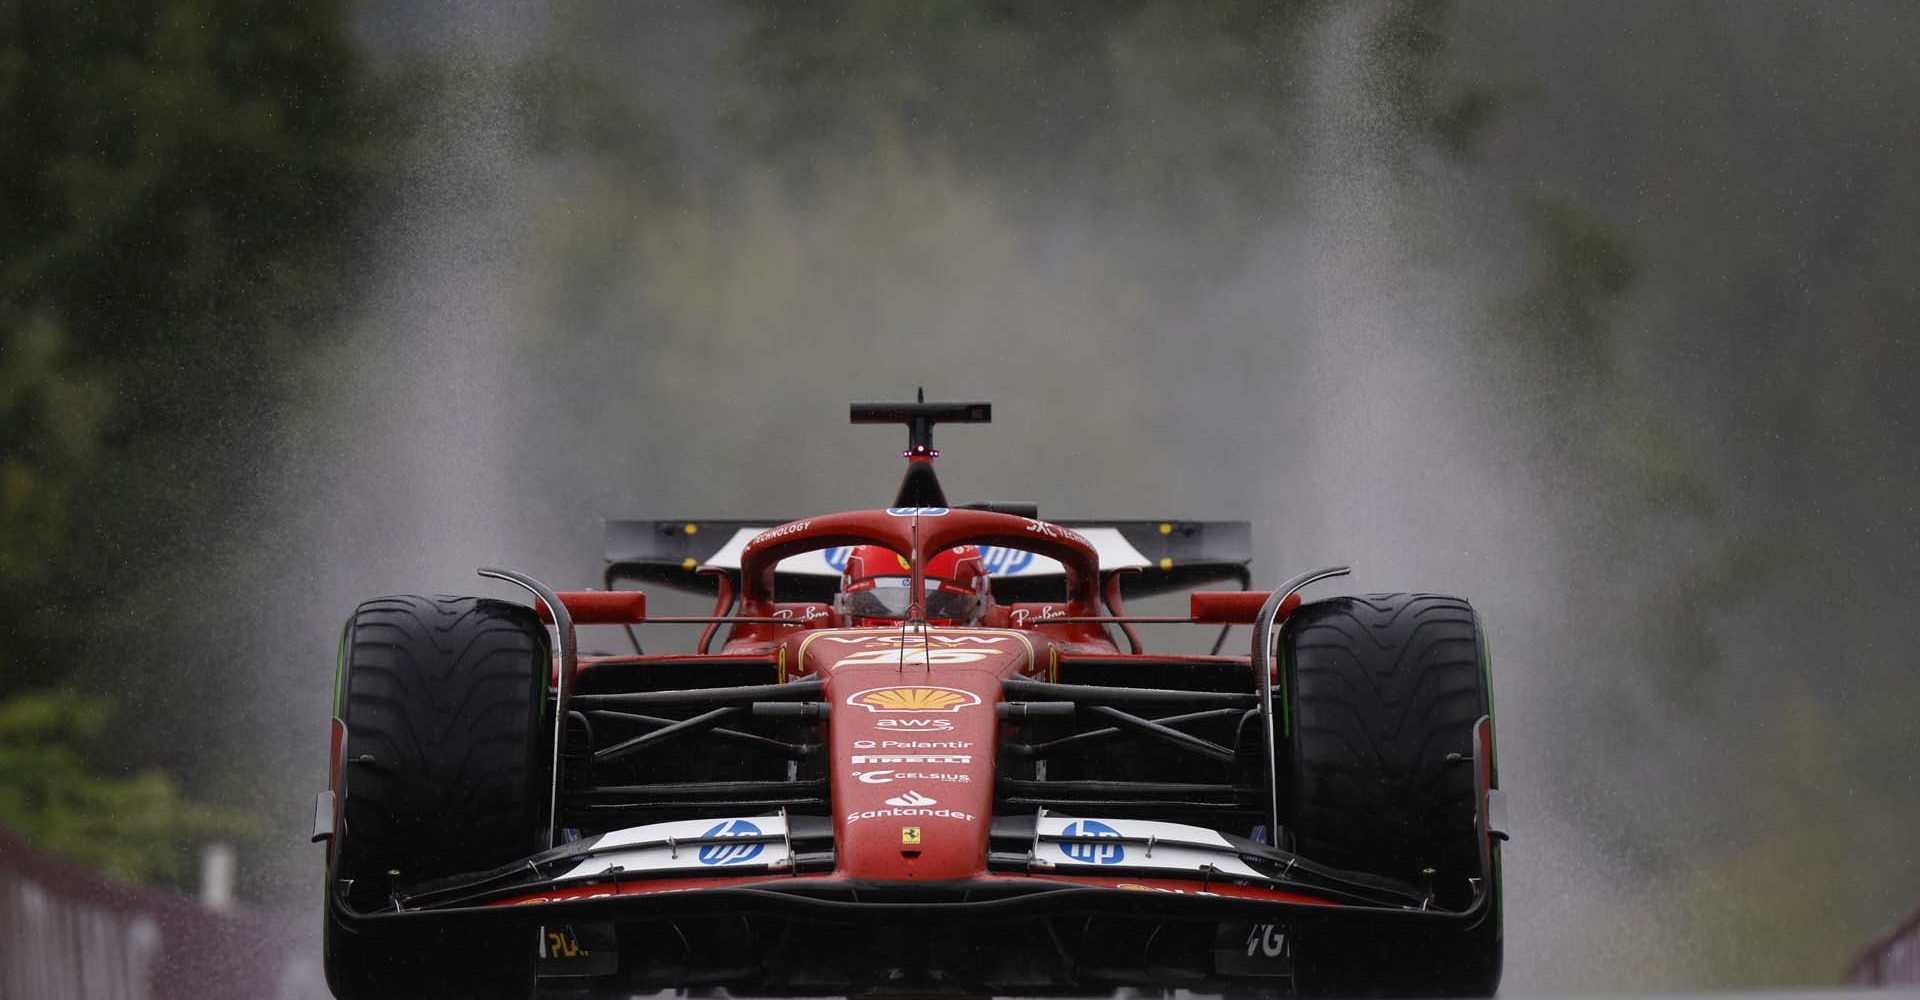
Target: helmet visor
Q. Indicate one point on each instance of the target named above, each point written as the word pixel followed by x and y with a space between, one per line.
pixel 884 601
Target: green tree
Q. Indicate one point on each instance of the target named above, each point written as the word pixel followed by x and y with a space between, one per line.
pixel 51 411
pixel 139 828
pixel 182 186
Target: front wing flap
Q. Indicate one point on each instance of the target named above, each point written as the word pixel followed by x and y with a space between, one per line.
pixel 1069 903
pixel 1039 861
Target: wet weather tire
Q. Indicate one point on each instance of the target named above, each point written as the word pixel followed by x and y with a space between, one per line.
pixel 1381 694
pixel 444 770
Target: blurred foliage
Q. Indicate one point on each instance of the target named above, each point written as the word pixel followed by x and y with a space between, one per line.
pixel 1548 347
pixel 139 828
pixel 1778 902
pixel 1410 56
pixel 168 166
pixel 182 183
pixel 1588 258
pixel 1157 108
pixel 51 413
pixel 563 108
pixel 1746 859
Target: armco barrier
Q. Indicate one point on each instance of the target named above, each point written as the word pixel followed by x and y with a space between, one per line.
pixel 68 933
pixel 1893 960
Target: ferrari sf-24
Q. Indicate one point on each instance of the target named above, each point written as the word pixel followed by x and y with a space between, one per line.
pixel 916 750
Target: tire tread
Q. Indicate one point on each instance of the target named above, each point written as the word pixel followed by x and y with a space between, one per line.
pixel 1380 690
pixel 444 770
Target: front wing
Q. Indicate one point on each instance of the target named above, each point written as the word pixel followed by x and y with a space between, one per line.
pixel 754 904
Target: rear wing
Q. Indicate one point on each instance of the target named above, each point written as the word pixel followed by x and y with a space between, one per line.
pixel 1169 556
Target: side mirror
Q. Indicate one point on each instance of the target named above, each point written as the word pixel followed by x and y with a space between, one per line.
pixel 600 607
pixel 1233 607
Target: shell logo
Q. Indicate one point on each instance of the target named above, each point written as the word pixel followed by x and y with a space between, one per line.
pixel 913 699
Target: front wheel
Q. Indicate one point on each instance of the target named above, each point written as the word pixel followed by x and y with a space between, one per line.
pixel 1380 698
pixel 445 769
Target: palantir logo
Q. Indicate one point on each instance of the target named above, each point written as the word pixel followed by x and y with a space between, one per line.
pixel 1002 561
pixel 731 854
pixel 1093 853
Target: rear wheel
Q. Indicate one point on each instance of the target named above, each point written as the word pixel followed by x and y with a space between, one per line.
pixel 445 770
pixel 1381 694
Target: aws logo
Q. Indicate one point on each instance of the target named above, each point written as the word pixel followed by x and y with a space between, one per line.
pixel 915 725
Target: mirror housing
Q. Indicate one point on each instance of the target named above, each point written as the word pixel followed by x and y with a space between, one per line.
pixel 1233 607
pixel 600 607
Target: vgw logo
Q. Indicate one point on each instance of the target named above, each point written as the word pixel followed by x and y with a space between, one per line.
pixel 731 854
pixel 1093 853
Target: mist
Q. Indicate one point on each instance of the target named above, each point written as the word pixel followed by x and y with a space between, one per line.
pixel 1231 274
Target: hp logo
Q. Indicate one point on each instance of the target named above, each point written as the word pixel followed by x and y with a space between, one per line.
pixel 1002 561
pixel 731 854
pixel 1092 853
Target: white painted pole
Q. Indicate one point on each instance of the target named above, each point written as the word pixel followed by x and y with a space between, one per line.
pixel 216 877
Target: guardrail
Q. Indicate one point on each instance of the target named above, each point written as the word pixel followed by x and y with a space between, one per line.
pixel 1894 960
pixel 69 933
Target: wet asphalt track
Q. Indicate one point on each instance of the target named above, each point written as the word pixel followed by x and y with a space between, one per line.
pixel 304 982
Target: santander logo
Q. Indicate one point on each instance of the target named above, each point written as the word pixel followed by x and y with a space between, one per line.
pixel 913 798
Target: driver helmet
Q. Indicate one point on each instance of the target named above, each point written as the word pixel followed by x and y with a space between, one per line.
pixel 878 582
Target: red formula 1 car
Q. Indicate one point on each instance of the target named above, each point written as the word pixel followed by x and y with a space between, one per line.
pixel 918 750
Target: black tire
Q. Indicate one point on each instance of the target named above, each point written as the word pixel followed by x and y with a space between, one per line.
pixel 1381 696
pixel 445 770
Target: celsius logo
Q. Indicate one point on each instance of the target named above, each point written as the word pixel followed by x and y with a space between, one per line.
pixel 1001 561
pixel 1093 853
pixel 731 854
pixel 888 777
pixel 913 798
